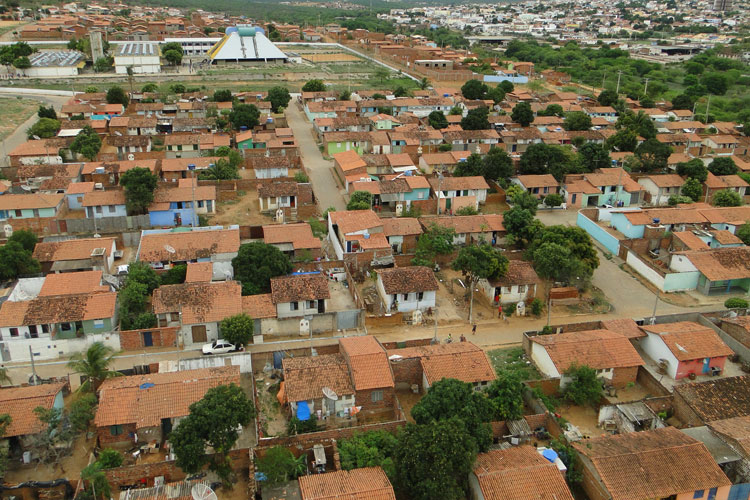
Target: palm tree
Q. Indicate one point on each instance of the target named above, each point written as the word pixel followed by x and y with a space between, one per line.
pixel 424 83
pixel 94 365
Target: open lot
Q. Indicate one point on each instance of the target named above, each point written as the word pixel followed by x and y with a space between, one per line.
pixel 13 112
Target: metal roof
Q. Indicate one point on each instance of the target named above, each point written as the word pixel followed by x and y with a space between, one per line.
pixel 50 58
pixel 138 49
pixel 236 47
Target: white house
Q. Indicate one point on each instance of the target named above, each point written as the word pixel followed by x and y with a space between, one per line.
pixel 451 188
pixel 300 295
pixel 99 204
pixel 518 284
pixel 143 57
pixel 405 289
pixel 661 187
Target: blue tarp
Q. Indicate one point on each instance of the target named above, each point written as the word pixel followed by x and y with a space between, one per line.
pixel 303 411
pixel 550 455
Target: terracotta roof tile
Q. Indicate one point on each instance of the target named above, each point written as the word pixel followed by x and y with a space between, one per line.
pixel 408 279
pixel 199 302
pixel 30 201
pixel 401 226
pixel 368 362
pixel 691 240
pixel 520 272
pixel 534 181
pixel 687 340
pixel 652 464
pixel 724 237
pixel 306 376
pixel 75 249
pixel 275 189
pixel 462 360
pixel 368 483
pixel 259 306
pixel 519 473
pixel 466 223
pixel 300 235
pixel 145 400
pixel 737 429
pixel 719 398
pixel 58 309
pixel 97 198
pixel 188 245
pixel 199 272
pixel 72 283
pixel 299 287
pixel 721 264
pixel 80 188
pixel 350 221
pixel 170 194
pixel 626 326
pixel 458 183
pixel 19 404
pixel 597 349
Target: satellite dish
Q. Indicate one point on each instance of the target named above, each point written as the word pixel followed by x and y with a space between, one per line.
pixel 202 491
pixel 328 392
pixel 169 248
pixel 131 157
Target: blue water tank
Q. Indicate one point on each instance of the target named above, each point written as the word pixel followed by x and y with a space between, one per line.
pixel 260 30
pixel 231 29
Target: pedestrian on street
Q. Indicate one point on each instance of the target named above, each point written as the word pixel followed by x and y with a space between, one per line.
pixel 462 338
pixel 474 329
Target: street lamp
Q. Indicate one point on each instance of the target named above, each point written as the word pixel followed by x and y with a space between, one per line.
pixel 191 167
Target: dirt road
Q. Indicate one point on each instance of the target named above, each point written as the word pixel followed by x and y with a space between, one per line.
pixel 320 170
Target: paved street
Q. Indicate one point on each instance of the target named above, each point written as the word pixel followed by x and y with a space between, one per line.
pixel 320 170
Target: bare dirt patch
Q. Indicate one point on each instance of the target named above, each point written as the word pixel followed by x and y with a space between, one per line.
pixel 13 112
pixel 245 210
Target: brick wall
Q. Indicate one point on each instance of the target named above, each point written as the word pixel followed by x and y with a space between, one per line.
pixel 323 437
pixel 549 387
pixel 591 485
pixel 407 343
pixel 737 332
pixel 364 399
pixel 623 376
pixel 106 437
pixel 162 337
pixel 683 412
pixel 661 403
pixel 259 359
pixel 407 372
pixel 648 382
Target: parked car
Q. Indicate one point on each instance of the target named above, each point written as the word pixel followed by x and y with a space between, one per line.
pixel 220 347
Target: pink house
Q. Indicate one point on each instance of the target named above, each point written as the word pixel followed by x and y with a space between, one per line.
pixel 685 348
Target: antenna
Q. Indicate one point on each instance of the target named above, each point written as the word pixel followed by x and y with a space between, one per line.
pixel 202 491
pixel 169 248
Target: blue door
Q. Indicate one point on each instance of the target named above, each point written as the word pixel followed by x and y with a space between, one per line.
pixel 148 339
pixel 706 365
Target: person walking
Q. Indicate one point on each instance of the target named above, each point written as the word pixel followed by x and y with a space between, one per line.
pixel 474 329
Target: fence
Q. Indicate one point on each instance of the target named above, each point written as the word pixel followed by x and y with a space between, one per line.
pixel 607 240
pixel 243 360
pixel 109 224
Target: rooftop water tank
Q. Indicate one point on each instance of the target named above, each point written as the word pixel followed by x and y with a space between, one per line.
pixel 231 29
pixel 245 31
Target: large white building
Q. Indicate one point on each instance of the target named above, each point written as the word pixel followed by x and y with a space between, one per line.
pixel 143 57
pixel 55 63
pixel 194 46
pixel 245 44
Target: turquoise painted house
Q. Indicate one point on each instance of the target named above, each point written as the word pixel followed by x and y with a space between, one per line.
pixel 30 206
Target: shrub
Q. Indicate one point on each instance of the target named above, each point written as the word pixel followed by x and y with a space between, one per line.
pixel 536 307
pixel 736 303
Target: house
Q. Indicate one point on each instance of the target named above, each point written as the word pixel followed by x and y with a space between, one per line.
pixel 720 270
pixel 305 377
pixel 537 185
pixel 716 183
pixel 192 145
pixel 609 353
pixel 270 167
pixel 196 308
pixel 173 206
pixel 139 57
pixel 685 348
pixel 406 289
pixel 425 365
pixel 275 195
pixel 660 463
pixel 469 228
pixel 518 284
pixel 735 432
pixel 456 192
pixel 606 186
pixel 300 295
pixel 660 187
pixel 174 169
pixel 368 482
pixel 163 249
pixel 295 240
pixel 108 173
pixel 738 328
pixel 394 191
pixel 358 235
pixel 443 162
pixel 126 145
pixel 19 404
pixel 349 163
pixel 371 374
pixel 402 234
pixel 699 403
pixel 146 408
pixel 82 254
pixel 517 473
pixel 99 204
pixel 75 192
pixel 30 206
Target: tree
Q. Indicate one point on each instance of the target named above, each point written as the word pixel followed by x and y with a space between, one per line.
pixel 723 165
pixel 679 200
pixel 547 159
pixel 521 225
pixel 212 422
pixel 22 62
pixel 683 101
pixel 173 53
pixel 4 423
pixel 607 97
pixel 640 123
pixel 149 88
pixel 584 386
pixel 87 143
pixel 16 261
pixel 506 395
pixel 175 275
pixel 507 86
pixel 139 184
pixel 279 465
pixel 554 200
pixel 436 240
pixel 593 156
pixel 278 97
pixel 424 84
pixel 177 88
pixel 244 115
pixel 525 200
pixel 476 119
pixel 93 365
pixel 369 449
pixel 693 169
pixel 743 233
pixel 381 73
pixel 360 200
pixel 726 198
pixel 110 458
pixel 692 189
pixel 116 95
pixel 579 253
pixel 314 86
pixel 522 114
pixel 221 170
pixel 434 460
pixel 736 303
pixel 479 262
pixel 103 64
pixel 469 168
pixel 653 155
pixel 497 95
pixel 141 272
pixel 345 95
pixel 82 412
pixel 715 83
pixel 577 120
pixel 237 329
pixel 552 110
pixel 474 90
pixel 437 120
pixel 44 128
pixel 224 95
pixel 47 112
pixel 623 140
pixel 497 165
pixel 97 480
pixel 256 263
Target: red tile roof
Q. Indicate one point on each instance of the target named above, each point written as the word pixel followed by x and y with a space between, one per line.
pixel 368 483
pixel 306 376
pixel 461 360
pixel 597 349
pixel 199 272
pixel 688 340
pixel 368 362
pixel 408 279
pixel 259 306
pixel 19 403
pixel 188 245
pixel 299 235
pixel 199 302
pixel 299 287
pixel 72 283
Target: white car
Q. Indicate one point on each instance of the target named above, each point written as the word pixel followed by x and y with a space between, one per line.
pixel 219 347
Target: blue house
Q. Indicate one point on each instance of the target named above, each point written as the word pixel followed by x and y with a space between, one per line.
pixel 30 206
pixel 75 193
pixel 99 204
pixel 173 206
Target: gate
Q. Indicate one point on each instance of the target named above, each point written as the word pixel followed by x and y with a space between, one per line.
pixel 347 320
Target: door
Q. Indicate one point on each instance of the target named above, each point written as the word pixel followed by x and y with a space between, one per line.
pixel 706 365
pixel 199 334
pixel 148 339
pixel 321 306
pixel 573 199
pixel 448 203
pixel 166 428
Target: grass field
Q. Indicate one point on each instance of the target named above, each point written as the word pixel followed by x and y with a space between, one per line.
pixel 13 112
pixel 514 360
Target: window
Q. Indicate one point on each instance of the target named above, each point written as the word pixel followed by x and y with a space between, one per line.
pixel 98 323
pixel 420 295
pixel 45 328
pixel 99 209
pixel 14 332
pixel 698 494
pixel 36 212
pixel 19 213
pixel 65 327
pixel 115 430
pixel 200 203
pixel 112 209
pixel 521 288
pixel 395 297
pixel 377 396
pixel 33 333
pixel 312 304
pixel 294 306
pixel 406 297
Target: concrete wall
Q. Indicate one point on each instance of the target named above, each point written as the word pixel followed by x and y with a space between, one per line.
pixel 609 241
pixel 241 359
pixel 45 348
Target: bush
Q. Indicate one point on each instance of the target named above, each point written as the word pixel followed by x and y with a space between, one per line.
pixel 554 200
pixel 279 465
pixel 585 387
pixel 110 458
pixel 536 307
pixel 467 210
pixel 297 426
pixel 509 309
pixel 736 303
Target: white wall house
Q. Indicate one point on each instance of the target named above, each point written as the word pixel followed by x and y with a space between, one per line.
pixel 406 289
pixel 143 57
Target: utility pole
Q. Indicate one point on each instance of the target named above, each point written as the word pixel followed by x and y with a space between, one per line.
pixel 619 74
pixel 645 89
pixel 439 191
pixel 708 105
pixel 33 368
pixel 193 180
